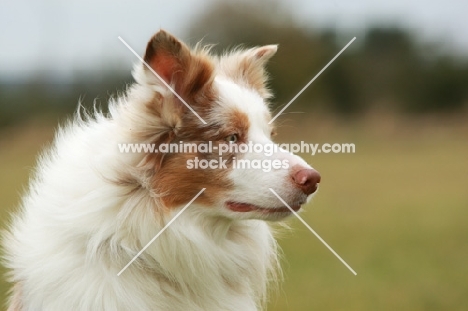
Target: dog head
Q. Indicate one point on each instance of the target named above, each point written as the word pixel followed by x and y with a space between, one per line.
pixel 221 103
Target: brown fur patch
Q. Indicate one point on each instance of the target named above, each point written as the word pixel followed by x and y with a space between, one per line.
pixel 188 71
pixel 240 121
pixel 163 53
pixel 234 121
pixel 178 184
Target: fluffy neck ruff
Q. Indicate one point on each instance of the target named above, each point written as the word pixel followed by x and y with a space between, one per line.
pixel 215 263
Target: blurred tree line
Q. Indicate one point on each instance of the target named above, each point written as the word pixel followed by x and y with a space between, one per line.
pixel 385 69
pixel 50 97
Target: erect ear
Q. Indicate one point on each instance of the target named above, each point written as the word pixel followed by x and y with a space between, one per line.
pixel 186 71
pixel 263 54
pixel 249 67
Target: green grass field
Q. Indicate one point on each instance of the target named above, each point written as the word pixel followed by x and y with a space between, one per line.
pixel 396 211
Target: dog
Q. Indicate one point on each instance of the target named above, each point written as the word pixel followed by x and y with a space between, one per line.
pixel 91 208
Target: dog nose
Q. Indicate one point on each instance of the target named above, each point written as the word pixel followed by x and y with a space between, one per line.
pixel 307 179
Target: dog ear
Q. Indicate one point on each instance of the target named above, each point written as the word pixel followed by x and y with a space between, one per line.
pixel 262 54
pixel 249 67
pixel 254 67
pixel 166 55
pixel 186 71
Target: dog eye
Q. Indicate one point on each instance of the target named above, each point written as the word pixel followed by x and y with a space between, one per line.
pixel 232 138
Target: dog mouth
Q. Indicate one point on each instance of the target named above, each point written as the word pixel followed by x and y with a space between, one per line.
pixel 246 207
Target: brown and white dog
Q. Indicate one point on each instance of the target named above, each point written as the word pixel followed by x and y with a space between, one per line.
pixel 91 208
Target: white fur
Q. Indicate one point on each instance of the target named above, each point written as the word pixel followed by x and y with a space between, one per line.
pixel 253 185
pixel 78 227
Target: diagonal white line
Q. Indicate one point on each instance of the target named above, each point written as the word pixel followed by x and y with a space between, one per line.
pixel 313 231
pixel 310 82
pixel 162 80
pixel 160 232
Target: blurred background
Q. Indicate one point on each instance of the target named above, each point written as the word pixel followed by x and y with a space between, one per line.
pixel 396 210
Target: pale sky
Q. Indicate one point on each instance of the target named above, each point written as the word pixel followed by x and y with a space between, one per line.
pixel 58 36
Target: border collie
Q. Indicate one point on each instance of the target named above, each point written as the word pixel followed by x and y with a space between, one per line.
pixel 91 208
